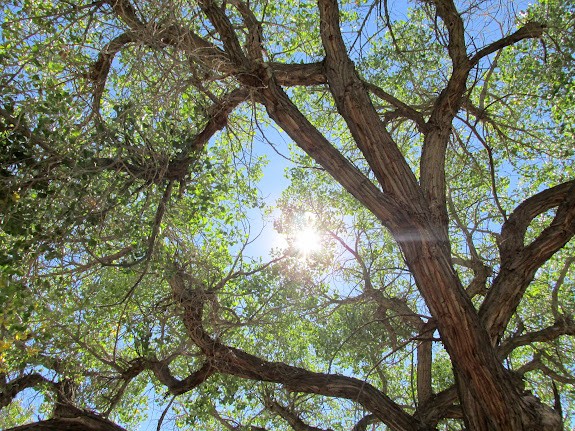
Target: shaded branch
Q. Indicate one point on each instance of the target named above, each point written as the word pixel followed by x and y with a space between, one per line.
pixel 536 364
pixel 519 263
pixel 559 328
pixel 555 293
pixel 101 67
pixel 177 387
pixel 239 427
pixel 290 417
pixel 354 105
pixel 81 420
pixel 236 362
pixel 363 423
pixel 224 27
pixel 11 389
pixel 403 109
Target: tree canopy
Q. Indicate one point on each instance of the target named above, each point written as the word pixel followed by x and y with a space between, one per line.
pixel 424 279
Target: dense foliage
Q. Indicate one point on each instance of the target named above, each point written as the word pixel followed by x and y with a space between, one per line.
pixel 415 273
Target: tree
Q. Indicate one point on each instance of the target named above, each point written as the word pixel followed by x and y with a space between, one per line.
pixel 432 154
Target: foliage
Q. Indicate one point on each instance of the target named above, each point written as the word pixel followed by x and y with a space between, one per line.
pixel 429 156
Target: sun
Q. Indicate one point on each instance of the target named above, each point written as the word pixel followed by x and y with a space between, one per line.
pixel 307 240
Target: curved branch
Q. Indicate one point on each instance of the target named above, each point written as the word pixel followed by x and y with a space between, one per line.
pixel 82 421
pixel 559 328
pixel 290 417
pixel 236 362
pixel 519 263
pixel 537 364
pixel 528 31
pixel 177 387
pixel 11 389
pixel 513 231
pixel 101 68
pixel 362 424
pixel 439 125
pixel 438 406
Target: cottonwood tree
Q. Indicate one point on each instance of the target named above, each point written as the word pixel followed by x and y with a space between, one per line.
pixel 430 160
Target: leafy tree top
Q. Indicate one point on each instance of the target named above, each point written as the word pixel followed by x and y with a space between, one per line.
pixel 425 281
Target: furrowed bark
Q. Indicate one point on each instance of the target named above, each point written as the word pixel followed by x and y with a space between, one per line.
pixel 354 105
pixel 489 399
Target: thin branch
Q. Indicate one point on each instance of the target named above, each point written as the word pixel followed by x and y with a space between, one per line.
pixel 528 31
pixel 558 329
pixel 164 413
pixel 555 293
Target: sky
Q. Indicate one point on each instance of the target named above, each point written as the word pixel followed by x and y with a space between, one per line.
pixel 273 183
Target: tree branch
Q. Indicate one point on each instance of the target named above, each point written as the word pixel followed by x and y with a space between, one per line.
pixel 528 31
pixel 403 108
pixel 354 104
pixel 101 68
pixel 519 263
pixel 363 423
pixel 177 387
pixel 236 362
pixel 11 389
pixel 290 417
pixel 559 328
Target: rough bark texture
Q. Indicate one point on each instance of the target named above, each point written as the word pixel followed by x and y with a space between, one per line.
pixel 415 210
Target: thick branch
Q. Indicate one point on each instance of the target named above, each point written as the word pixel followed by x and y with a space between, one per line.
pixel 437 406
pixel 177 387
pixel 290 417
pixel 519 263
pixel 282 110
pixel 354 104
pixel 14 387
pixel 242 364
pixel 432 164
pixel 178 168
pixel 426 250
pixel 424 365
pixel 82 421
pixel 224 27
